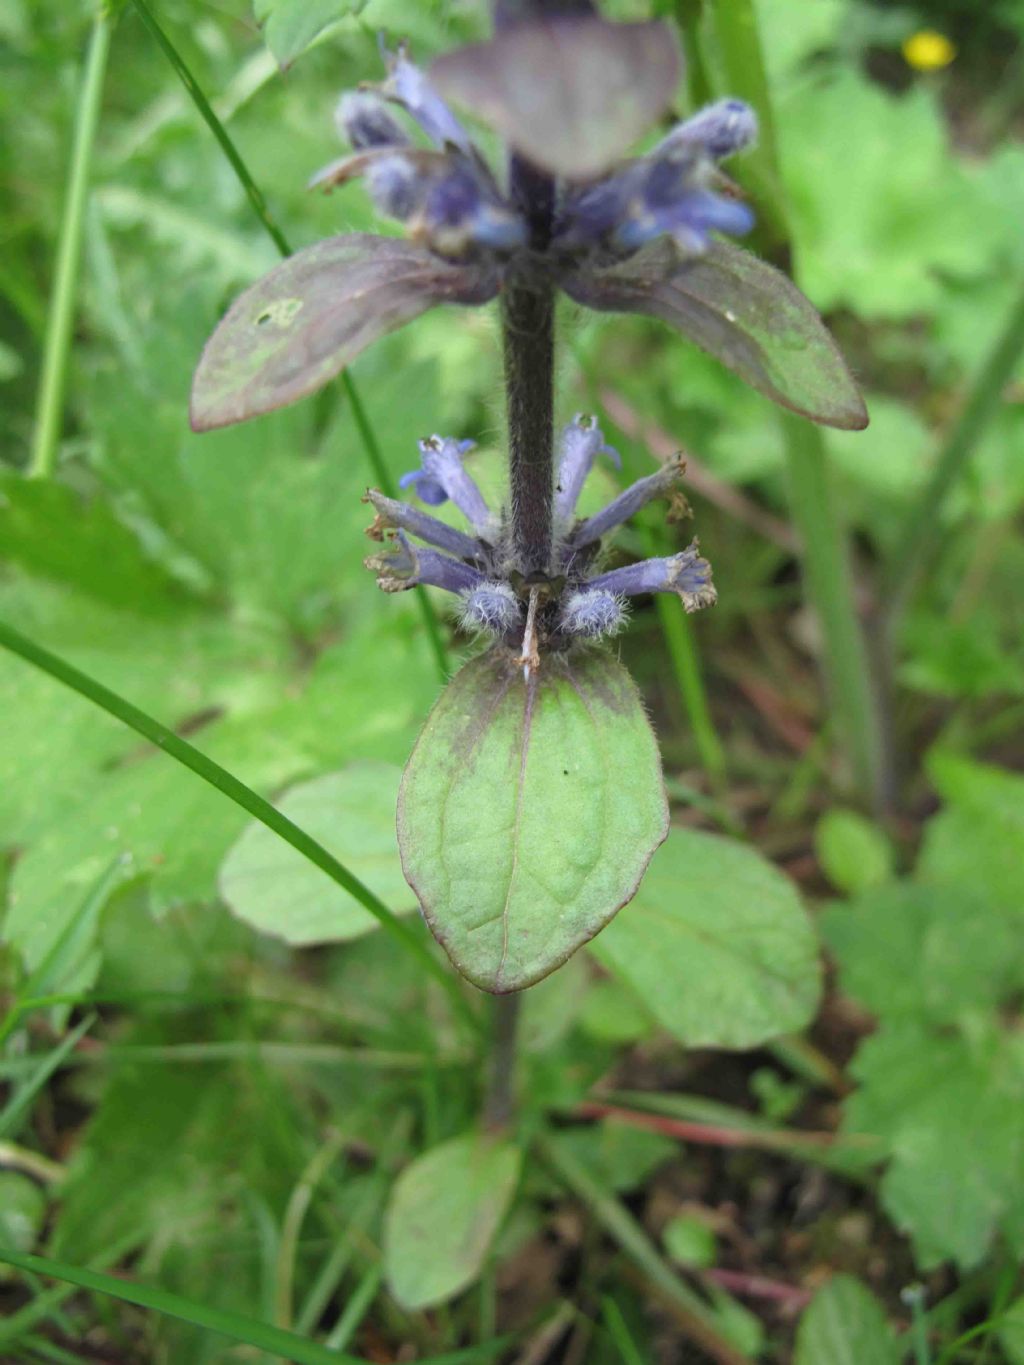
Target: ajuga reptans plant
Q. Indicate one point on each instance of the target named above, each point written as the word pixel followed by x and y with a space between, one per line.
pixel 533 800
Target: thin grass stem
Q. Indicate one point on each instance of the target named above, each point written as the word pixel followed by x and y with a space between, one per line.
pixel 828 576
pixel 856 701
pixel 681 642
pixel 60 322
pixel 235 1326
pixel 259 206
pixel 236 791
pixel 696 1315
pixel 922 529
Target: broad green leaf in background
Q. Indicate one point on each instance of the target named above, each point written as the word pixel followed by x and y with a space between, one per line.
pixel 978 839
pixel 529 812
pixel 845 1325
pixel 925 952
pixel 444 1214
pixel 175 829
pixel 883 252
pixel 854 853
pixel 1011 1332
pixel 716 945
pixel 22 1210
pixel 742 311
pixel 352 813
pixel 950 1111
pixel 612 1014
pixel 618 1156
pixel 48 529
pixel 690 1241
pixel 290 26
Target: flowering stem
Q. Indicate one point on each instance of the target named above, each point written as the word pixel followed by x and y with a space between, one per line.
pixel 50 403
pixel 528 331
pixel 499 1104
pixel 259 206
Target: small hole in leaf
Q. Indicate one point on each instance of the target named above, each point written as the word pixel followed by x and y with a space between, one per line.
pixel 264 318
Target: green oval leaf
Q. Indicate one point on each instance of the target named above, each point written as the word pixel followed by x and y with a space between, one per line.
pixel 716 944
pixel 444 1213
pixel 268 884
pixel 845 1325
pixel 571 94
pixel 290 26
pixel 528 812
pixel 295 329
pixel 745 313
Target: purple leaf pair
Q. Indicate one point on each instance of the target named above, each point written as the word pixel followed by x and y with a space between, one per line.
pixel 570 95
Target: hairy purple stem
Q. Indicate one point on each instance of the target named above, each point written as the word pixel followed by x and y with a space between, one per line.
pixel 528 328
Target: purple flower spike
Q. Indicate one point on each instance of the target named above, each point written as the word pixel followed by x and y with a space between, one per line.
pixel 688 220
pixel 719 130
pixel 442 476
pixel 627 504
pixel 365 121
pixel 409 87
pixel 403 565
pixel 685 574
pixel 582 442
pixel 394 184
pixel 571 605
pixel 400 515
pixel 458 210
pixel 592 614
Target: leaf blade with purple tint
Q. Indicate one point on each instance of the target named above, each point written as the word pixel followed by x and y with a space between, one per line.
pixel 529 812
pixel 300 325
pixel 571 94
pixel 745 313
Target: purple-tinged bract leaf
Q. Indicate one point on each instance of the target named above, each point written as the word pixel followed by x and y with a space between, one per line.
pixel 745 313
pixel 529 811
pixel 295 329
pixel 571 94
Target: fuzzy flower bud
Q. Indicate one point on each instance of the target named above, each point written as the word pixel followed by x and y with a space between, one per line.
pixel 365 121
pixel 592 613
pixel 493 607
pixel 719 130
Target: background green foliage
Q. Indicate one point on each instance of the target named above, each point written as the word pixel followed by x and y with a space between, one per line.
pixel 215 1069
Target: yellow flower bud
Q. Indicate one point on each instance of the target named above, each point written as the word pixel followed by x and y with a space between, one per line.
pixel 927 50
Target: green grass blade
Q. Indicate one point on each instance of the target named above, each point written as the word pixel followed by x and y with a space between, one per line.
pixel 261 1335
pixel 357 1307
pixel 235 790
pixel 42 985
pixel 615 1323
pixel 53 379
pixel 923 526
pixel 827 572
pixel 19 1102
pixel 829 586
pixel 680 639
pixel 259 206
pixel 620 1224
